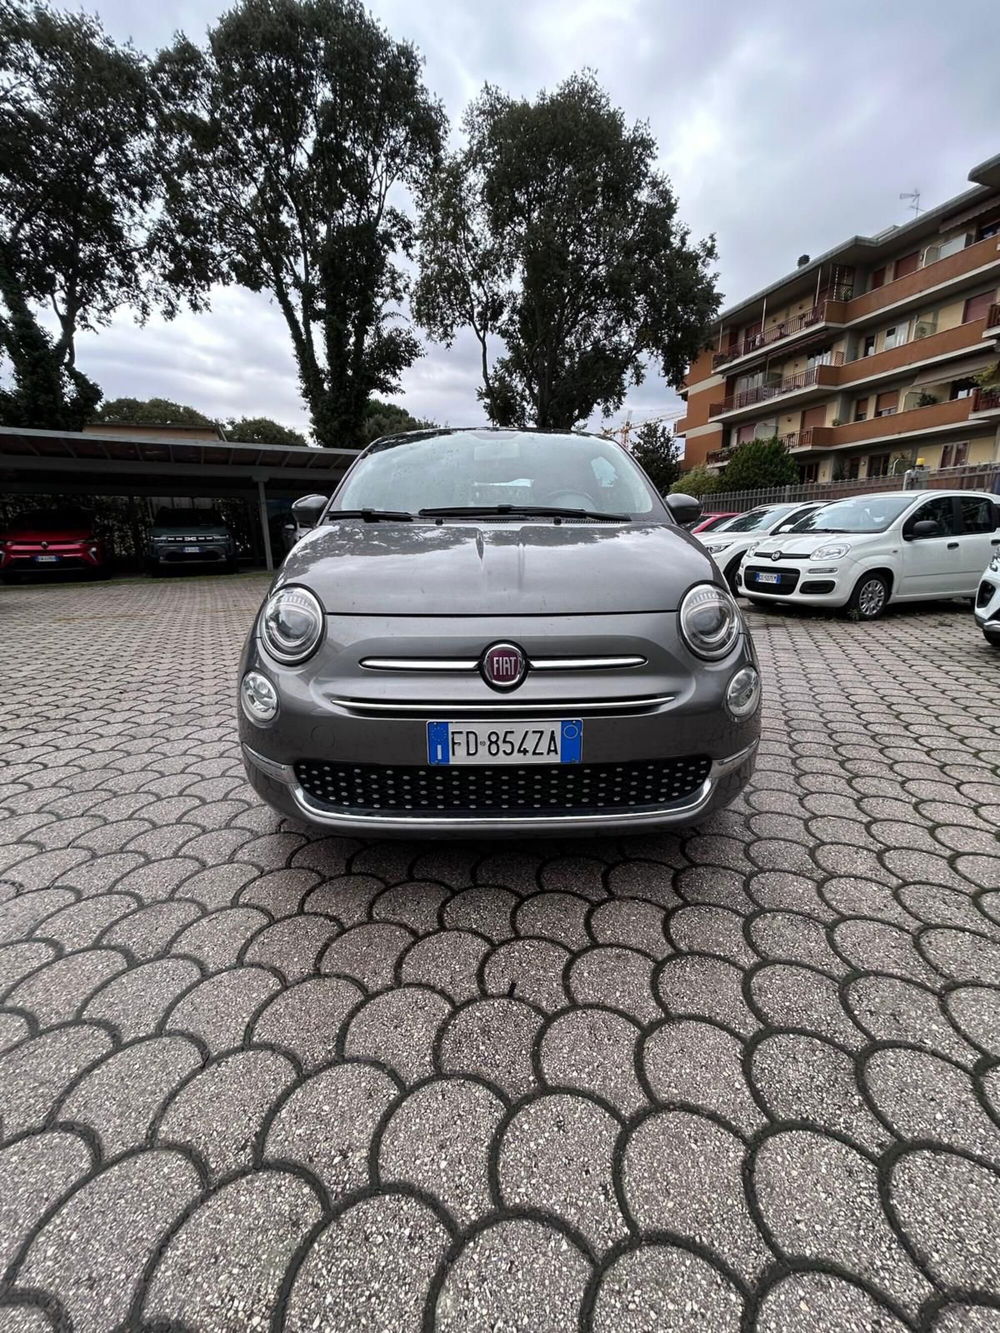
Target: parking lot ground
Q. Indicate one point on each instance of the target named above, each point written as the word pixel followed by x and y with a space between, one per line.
pixel 254 1077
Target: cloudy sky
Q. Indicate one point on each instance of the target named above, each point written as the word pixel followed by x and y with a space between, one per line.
pixel 785 126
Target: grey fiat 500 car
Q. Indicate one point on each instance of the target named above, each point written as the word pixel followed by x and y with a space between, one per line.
pixel 498 632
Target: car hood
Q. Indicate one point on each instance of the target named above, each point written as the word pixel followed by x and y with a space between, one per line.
pixel 193 534
pixel 50 535
pixel 804 543
pixel 462 568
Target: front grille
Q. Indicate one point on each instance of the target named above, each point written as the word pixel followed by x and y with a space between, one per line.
pixel 537 789
pixel 788 581
pixel 985 593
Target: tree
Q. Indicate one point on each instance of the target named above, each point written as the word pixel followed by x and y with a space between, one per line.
pixel 262 430
pixel 698 481
pixel 286 138
pixel 388 419
pixel 149 412
pixel 77 182
pixel 658 453
pixel 760 464
pixel 552 233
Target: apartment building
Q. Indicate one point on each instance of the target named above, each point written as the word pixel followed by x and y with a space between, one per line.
pixel 865 359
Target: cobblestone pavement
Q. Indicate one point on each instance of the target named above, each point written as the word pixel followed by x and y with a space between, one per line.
pixel 255 1077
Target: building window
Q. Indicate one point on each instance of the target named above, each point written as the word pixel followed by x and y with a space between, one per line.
pixel 878 465
pixel 743 434
pixel 886 403
pixel 988 229
pixel 852 469
pixel 869 348
pixel 877 279
pixel 962 389
pixel 978 307
pixel 860 409
pixel 908 264
pixel 808 472
pixel 895 337
pixel 954 455
pixel 926 325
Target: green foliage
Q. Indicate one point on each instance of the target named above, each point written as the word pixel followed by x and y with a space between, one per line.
pixel 286 138
pixel 149 412
pixel 760 464
pixel 658 453
pixel 77 182
pixel 388 419
pixel 262 430
pixel 553 233
pixel 698 481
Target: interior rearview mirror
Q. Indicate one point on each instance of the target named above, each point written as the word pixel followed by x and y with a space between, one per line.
pixel 308 509
pixel 684 509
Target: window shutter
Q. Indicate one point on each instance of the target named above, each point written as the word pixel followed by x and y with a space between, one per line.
pixel 908 264
pixel 978 307
pixel 887 402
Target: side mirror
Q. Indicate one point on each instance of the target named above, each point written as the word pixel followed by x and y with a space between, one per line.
pixel 926 527
pixel 684 509
pixel 308 509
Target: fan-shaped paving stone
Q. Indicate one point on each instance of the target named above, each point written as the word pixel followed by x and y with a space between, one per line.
pixel 78 925
pixel 219 1111
pixel 683 1173
pixel 92 1252
pixel 794 938
pixel 328 1122
pixel 870 946
pixel 820 1201
pixel 218 1009
pixel 804 1078
pixel 975 1012
pixel 216 939
pixel 280 893
pixel 935 905
pixel 791 996
pixel 615 978
pixel 697 1063
pixel 147 932
pixel 376 1260
pixel 366 954
pixel 520 1276
pixel 347 899
pixel 691 986
pixel 962 955
pixel 306 1019
pixel 420 1145
pixel 593 1050
pixel 492 1040
pixel 36 1172
pixel 448 960
pixel 949 1209
pixel 222 1269
pixel 633 923
pixel 891 1009
pixel 664 1289
pixel 19 916
pixel 293 945
pixel 556 916
pixel 217 886
pixel 925 1097
pixel 711 930
pixel 157 880
pixel 967 1317
pixel 712 886
pixel 821 1303
pixel 14 1028
pixel 18 960
pixel 527 969
pixel 413 904
pixel 487 911
pixel 556 1154
pixel 134 1001
pixel 399 1029
pixel 55 992
pixel 34 1074
pixel 121 1096
pixel 24 1319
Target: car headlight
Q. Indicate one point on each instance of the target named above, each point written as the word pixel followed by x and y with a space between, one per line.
pixel 713 547
pixel 291 625
pixel 743 692
pixel 258 697
pixel 995 564
pixel 833 551
pixel 710 621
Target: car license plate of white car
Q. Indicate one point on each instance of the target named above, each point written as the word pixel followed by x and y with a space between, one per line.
pixel 47 559
pixel 768 578
pixel 494 743
pixel 192 550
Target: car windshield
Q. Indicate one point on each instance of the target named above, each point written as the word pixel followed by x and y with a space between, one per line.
pixel 188 518
pixel 756 519
pixel 864 513
pixel 51 520
pixel 482 469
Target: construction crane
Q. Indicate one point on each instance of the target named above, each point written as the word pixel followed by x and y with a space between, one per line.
pixel 623 432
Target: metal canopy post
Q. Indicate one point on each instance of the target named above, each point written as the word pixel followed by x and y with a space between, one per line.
pixel 262 505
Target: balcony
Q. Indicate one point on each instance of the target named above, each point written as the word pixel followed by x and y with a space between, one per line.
pixel 993 319
pixel 724 454
pixel 985 400
pixel 826 312
pixel 816 377
pixel 938 416
pixel 924 279
pixel 963 337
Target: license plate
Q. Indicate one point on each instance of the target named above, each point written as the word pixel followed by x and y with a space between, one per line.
pixel 46 559
pixel 192 550
pixel 505 743
pixel 768 578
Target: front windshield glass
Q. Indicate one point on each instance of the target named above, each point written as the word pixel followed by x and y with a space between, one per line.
pixel 756 519
pixel 51 520
pixel 482 469
pixel 865 513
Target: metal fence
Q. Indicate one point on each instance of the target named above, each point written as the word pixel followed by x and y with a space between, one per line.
pixel 977 477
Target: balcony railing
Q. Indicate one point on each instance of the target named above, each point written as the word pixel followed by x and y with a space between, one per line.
pixel 978 255
pixel 790 441
pixel 935 416
pixel 829 309
pixel 985 400
pixel 763 393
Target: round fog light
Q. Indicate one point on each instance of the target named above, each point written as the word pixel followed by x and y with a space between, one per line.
pixel 259 697
pixel 743 693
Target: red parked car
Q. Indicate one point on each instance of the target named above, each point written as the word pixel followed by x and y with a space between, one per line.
pixel 48 540
pixel 709 521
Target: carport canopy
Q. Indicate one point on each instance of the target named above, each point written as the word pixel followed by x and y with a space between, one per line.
pixel 43 461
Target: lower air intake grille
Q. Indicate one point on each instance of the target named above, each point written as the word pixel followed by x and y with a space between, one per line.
pixel 537 789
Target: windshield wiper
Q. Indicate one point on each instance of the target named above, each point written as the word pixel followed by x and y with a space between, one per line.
pixel 841 530
pixel 370 515
pixel 527 511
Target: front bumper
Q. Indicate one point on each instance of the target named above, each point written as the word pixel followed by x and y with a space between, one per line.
pixel 34 560
pixel 987 604
pixel 802 582
pixel 206 554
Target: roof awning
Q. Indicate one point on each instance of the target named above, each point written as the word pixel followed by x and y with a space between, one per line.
pixel 956 370
pixel 988 205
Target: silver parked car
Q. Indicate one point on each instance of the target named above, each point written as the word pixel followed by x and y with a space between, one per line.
pixel 498 632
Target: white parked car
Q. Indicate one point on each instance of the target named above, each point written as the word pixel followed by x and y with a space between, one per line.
pixel 730 541
pixel 988 601
pixel 871 550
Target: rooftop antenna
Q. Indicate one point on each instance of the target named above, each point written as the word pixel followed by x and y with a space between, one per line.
pixel 914 198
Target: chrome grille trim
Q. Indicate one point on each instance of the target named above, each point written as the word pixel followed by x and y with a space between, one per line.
pixel 513 706
pixel 609 663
